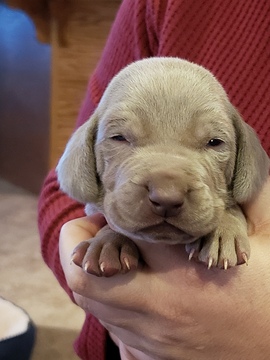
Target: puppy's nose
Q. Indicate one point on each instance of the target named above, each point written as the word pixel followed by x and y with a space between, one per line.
pixel 166 202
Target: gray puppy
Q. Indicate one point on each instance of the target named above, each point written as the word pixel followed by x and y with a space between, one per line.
pixel 166 158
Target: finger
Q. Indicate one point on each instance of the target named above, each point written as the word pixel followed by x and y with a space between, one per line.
pixel 96 222
pixel 257 211
pixel 88 224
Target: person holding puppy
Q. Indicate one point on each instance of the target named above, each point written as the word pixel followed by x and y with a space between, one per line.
pixel 172 308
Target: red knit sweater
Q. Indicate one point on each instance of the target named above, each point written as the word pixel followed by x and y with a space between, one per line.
pixel 230 38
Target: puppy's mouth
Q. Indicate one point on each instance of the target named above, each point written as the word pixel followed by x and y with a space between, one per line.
pixel 165 232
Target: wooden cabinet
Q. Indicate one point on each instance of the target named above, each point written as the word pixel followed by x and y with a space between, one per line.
pixel 86 33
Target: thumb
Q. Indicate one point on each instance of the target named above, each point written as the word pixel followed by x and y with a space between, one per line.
pixel 257 211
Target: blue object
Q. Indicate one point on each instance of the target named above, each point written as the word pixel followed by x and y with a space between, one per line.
pixel 18 346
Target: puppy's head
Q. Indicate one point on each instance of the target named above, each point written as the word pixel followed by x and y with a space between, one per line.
pixel 164 153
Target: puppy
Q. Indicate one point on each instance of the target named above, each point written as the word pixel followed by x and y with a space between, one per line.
pixel 166 158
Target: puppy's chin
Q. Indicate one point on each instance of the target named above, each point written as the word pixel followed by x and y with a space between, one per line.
pixel 160 233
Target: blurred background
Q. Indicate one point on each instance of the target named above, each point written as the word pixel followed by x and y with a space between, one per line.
pixel 48 49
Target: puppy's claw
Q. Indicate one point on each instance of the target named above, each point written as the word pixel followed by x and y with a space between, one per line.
pixel 71 259
pixel 190 256
pixel 225 264
pixel 245 258
pixel 127 263
pixel 86 265
pixel 210 262
pixel 102 267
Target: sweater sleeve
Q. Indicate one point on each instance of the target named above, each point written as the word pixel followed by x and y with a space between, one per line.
pixel 127 42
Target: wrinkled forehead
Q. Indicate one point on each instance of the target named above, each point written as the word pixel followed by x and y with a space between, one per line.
pixel 165 89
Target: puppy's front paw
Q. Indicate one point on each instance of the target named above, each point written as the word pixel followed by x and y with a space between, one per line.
pixel 226 246
pixel 107 254
pixel 220 251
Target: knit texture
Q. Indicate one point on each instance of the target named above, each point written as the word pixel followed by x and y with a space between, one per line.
pixel 230 38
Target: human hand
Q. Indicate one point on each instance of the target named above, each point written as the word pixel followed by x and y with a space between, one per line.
pixel 175 309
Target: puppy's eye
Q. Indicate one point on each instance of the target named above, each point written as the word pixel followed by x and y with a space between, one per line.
pixel 215 142
pixel 118 138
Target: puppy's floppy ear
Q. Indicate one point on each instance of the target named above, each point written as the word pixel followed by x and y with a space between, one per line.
pixel 252 162
pixel 76 169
